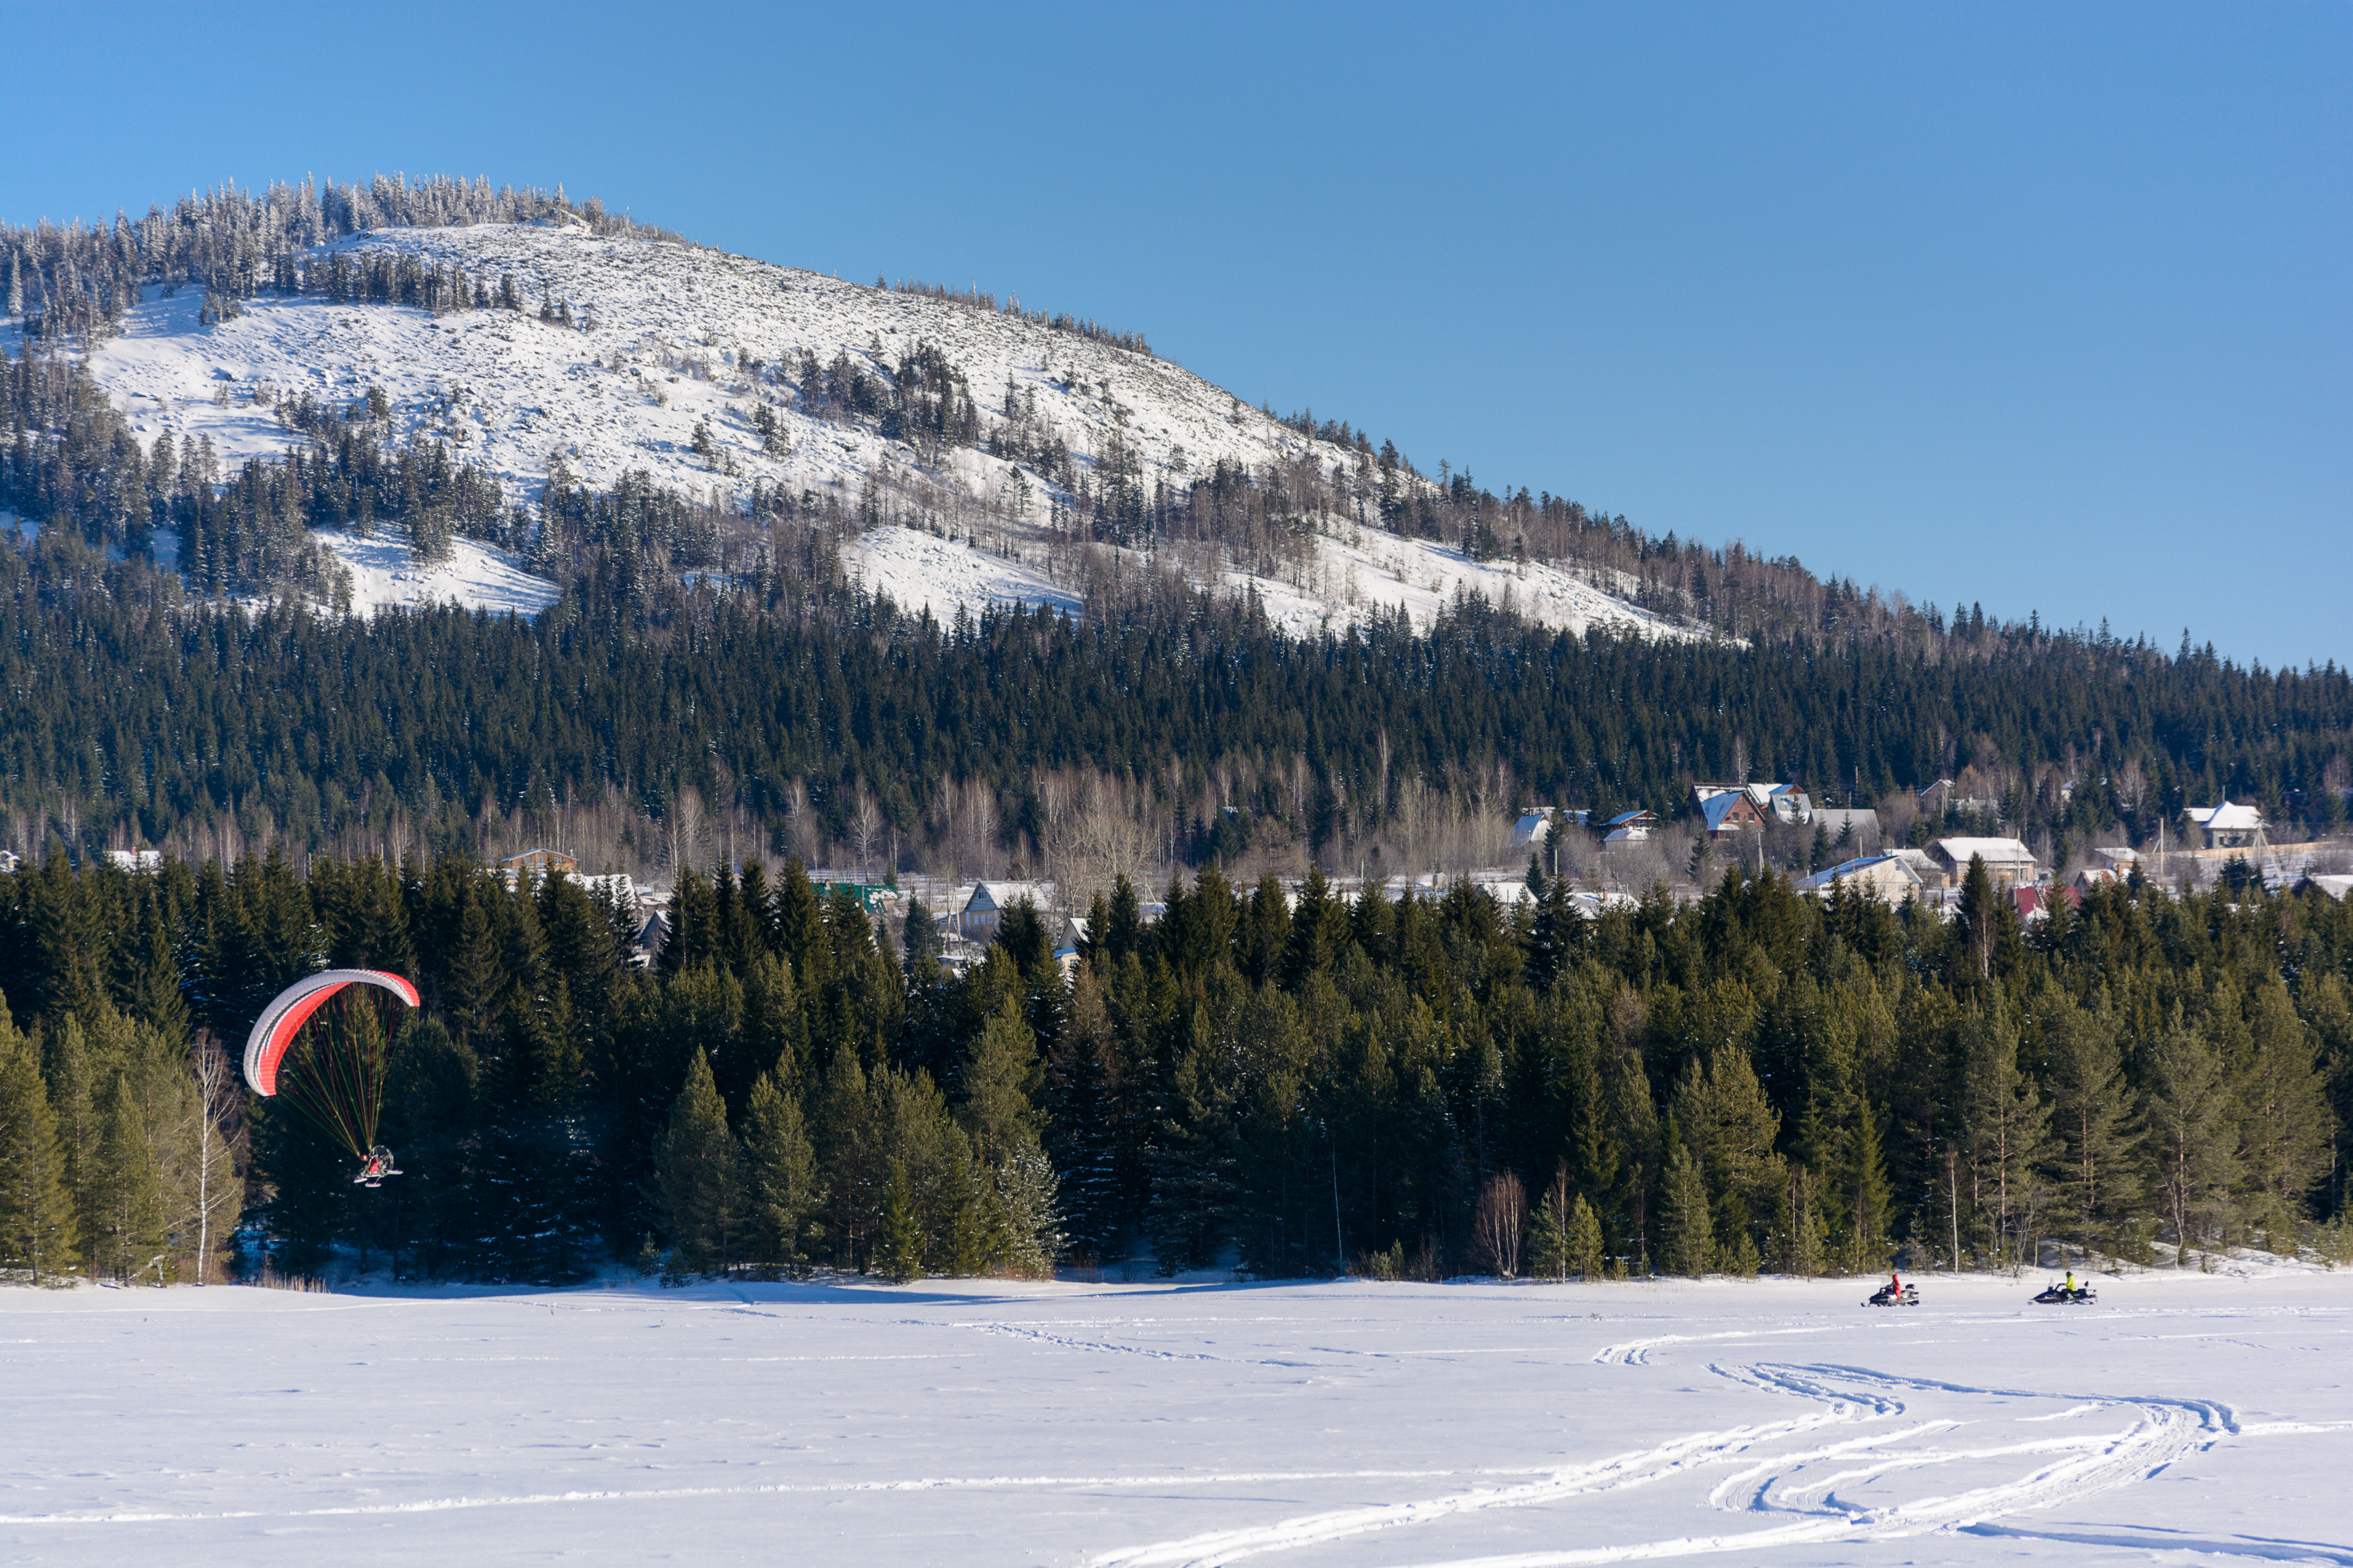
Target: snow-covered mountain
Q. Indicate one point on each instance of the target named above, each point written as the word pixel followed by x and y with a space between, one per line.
pixel 667 339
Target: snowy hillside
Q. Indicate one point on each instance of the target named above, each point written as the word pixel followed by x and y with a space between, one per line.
pixel 671 338
pixel 2181 1420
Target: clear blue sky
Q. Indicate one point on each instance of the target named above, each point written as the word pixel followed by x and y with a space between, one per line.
pixel 2044 307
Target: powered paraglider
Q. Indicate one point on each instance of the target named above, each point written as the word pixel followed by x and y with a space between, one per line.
pixel 337 1078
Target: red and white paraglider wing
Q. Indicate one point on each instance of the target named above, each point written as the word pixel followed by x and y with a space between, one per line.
pixel 292 1008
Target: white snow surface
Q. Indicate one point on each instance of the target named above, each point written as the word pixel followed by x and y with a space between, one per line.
pixel 2182 1420
pixel 475 576
pixel 512 392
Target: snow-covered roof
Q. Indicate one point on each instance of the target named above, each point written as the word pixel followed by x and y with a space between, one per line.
pixel 1891 867
pixel 2226 817
pixel 1005 895
pixel 1718 810
pixel 1993 851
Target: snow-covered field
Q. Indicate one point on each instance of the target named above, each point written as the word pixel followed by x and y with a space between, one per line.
pixel 677 337
pixel 2183 1420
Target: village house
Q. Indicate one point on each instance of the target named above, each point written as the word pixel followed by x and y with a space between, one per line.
pixel 139 862
pixel 1534 830
pixel 1888 878
pixel 1727 809
pixel 977 920
pixel 1945 796
pixel 1630 827
pixel 1858 827
pixel 1736 808
pixel 2007 861
pixel 2034 904
pixel 2223 827
pixel 534 864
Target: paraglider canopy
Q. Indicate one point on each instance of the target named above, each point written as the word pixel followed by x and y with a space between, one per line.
pixel 336 1079
pixel 292 1008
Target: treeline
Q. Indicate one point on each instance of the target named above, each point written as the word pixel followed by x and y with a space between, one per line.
pixel 78 280
pixel 1058 321
pixel 784 695
pixel 1415 1087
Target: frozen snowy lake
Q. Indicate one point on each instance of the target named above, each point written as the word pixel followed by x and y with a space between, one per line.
pixel 2182 1420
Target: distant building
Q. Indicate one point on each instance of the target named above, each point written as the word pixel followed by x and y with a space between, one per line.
pixel 614 888
pixel 977 920
pixel 2035 903
pixel 869 895
pixel 2007 861
pixel 2335 887
pixel 2223 827
pixel 1726 809
pixel 9 861
pixel 140 862
pixel 1945 796
pixel 1532 831
pixel 1921 864
pixel 1888 878
pixel 534 865
pixel 1630 827
pixel 651 937
pixel 1855 827
pixel 1731 809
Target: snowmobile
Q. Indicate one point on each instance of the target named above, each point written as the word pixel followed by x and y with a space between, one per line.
pixel 1886 1296
pixel 2058 1295
pixel 375 1168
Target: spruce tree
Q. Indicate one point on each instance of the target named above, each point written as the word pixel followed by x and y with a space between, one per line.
pixel 2284 1125
pixel 126 1201
pixel 697 1173
pixel 780 1171
pixel 1547 1245
pixel 38 1230
pixel 1083 1129
pixel 2095 1174
pixel 897 1251
pixel 2191 1143
pixel 74 1080
pixel 1582 1240
pixel 2004 1125
pixel 1686 1232
pixel 1000 1081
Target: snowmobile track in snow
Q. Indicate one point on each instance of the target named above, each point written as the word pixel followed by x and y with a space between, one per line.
pixel 2161 1431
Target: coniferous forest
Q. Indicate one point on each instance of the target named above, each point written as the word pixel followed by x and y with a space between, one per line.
pixel 1405 1087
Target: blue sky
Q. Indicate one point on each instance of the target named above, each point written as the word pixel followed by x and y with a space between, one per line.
pixel 2041 307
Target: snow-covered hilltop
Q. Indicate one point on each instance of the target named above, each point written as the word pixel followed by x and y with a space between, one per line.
pixel 695 367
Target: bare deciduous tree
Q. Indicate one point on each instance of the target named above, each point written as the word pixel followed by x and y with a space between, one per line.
pixel 866 825
pixel 219 1190
pixel 1501 1221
